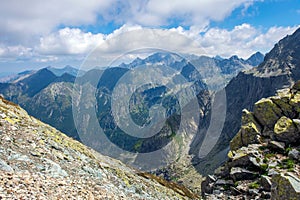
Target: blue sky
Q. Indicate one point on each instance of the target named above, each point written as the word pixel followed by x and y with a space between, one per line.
pixel 35 34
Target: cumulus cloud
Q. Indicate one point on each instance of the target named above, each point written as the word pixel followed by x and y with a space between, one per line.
pixel 69 41
pixel 17 51
pixel 21 20
pixel 243 40
pixel 45 31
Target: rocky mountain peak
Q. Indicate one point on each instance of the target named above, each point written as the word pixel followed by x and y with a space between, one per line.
pixel 255 59
pixel 283 58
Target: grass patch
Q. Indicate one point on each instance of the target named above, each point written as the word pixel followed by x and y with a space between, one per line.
pixel 287 164
pixel 254 185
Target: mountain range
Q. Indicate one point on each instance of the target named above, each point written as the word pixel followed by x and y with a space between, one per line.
pixel 48 96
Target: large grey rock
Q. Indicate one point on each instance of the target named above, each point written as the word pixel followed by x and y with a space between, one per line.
pixel 248 134
pixel 285 187
pixel 277 146
pixel 207 186
pixel 267 112
pixel 246 160
pixel 286 131
pixel 238 173
pixel 223 182
pixel 282 101
pixel 294 154
pixel 266 183
pixel 295 102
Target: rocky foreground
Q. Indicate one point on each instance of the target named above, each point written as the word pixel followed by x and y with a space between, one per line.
pixel 39 162
pixel 264 157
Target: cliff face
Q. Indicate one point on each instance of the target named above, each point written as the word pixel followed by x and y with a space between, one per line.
pixel 280 69
pixel 38 161
pixel 264 156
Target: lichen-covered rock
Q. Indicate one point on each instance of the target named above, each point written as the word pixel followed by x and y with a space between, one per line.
pixel 248 118
pixel 295 102
pixel 267 112
pixel 248 134
pixel 286 131
pixel 236 142
pixel 285 187
pixel 283 103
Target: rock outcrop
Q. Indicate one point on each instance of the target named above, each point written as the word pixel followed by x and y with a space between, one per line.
pixel 264 161
pixel 39 162
pixel 280 69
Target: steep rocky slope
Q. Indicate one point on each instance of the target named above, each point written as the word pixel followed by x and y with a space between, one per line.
pixel 39 162
pixel 280 69
pixel 264 156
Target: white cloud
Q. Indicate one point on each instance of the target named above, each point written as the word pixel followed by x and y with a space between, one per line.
pixel 243 40
pixel 47 59
pixel 72 45
pixel 17 51
pixel 136 40
pixel 69 41
pixel 23 22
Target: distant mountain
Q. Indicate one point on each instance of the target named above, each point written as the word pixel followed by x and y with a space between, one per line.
pixel 12 77
pixel 66 70
pixel 280 69
pixel 46 96
pixel 161 58
pixel 255 59
pixel 216 72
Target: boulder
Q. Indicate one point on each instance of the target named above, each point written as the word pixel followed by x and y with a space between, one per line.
pixel 297 123
pixel 283 103
pixel 266 183
pixel 238 173
pixel 296 86
pixel 295 102
pixel 277 146
pixel 223 182
pixel 245 159
pixel 248 118
pixel 248 134
pixel 207 186
pixel 294 154
pixel 267 112
pixel 286 131
pixel 285 187
pixel 236 141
